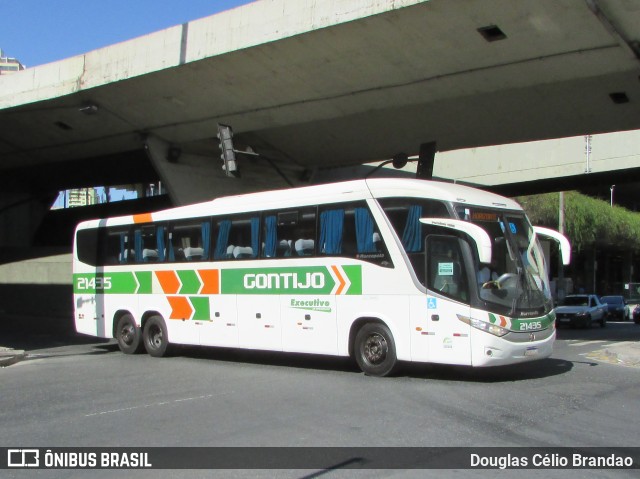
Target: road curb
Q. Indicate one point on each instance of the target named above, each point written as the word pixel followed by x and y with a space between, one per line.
pixel 10 356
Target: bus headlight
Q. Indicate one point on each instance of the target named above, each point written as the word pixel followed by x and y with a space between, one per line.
pixel 484 326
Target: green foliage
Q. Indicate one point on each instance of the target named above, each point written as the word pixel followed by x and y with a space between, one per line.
pixel 588 220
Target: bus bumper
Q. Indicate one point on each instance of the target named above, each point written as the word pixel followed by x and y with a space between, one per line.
pixel 514 348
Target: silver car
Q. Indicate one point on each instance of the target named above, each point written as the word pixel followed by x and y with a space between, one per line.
pixel 581 310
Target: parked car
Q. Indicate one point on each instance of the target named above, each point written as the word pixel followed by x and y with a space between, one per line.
pixel 615 306
pixel 581 310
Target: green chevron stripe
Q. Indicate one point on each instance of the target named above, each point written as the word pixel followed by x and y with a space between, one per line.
pixel 201 308
pixel 190 282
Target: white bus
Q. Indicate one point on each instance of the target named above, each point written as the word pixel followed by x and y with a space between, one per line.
pixel 383 270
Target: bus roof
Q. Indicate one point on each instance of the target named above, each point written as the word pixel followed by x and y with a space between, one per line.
pixel 322 194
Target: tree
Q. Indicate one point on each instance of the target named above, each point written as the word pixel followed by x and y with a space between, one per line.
pixel 588 221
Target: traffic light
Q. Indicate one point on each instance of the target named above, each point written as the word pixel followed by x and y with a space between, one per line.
pixel 228 154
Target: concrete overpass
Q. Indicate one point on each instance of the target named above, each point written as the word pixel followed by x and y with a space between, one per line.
pixel 589 163
pixel 312 84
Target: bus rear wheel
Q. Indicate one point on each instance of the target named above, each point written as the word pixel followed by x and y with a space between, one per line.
pixel 128 335
pixel 155 337
pixel 375 350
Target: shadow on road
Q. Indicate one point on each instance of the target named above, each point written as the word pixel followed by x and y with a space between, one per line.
pixel 40 332
pixel 516 372
pixel 270 358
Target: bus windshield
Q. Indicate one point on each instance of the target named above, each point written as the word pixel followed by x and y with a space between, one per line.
pixel 515 282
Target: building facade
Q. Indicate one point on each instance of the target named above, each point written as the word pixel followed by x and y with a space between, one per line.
pixel 9 65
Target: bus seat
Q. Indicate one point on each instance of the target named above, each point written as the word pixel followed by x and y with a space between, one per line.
pixel 193 254
pixel 377 241
pixel 283 249
pixel 304 247
pixel 230 249
pixel 149 255
pixel 241 252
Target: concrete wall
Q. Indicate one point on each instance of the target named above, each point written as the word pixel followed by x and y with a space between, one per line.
pixel 36 286
pixel 47 270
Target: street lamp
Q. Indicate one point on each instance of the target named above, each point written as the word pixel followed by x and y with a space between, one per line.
pixel 611 188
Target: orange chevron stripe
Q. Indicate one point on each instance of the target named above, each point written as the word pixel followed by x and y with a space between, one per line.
pixel 180 307
pixel 210 281
pixel 343 283
pixel 168 281
pixel 142 218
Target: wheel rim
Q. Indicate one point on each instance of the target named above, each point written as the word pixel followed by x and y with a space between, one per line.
pixel 375 349
pixel 155 337
pixel 127 334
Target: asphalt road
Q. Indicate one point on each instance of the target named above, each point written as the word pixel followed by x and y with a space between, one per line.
pixel 73 391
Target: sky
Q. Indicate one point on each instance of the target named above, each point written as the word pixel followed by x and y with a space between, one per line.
pixel 43 31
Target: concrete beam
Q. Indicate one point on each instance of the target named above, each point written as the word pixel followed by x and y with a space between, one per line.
pixel 243 27
pixel 540 160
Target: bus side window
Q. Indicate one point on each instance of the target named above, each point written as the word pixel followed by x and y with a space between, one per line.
pixel 277 241
pixel 349 230
pixel 270 236
pixel 404 215
pixel 288 233
pixel 115 248
pixel 144 244
pixel 362 239
pixel 189 241
pixel 302 232
pixel 104 246
pixel 87 246
pixel 331 227
pixel 237 237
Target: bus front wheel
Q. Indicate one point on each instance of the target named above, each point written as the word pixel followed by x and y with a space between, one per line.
pixel 128 335
pixel 155 337
pixel 375 350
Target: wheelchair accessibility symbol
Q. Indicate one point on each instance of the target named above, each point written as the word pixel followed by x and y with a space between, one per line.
pixel 432 303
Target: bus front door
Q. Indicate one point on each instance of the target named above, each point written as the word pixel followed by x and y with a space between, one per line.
pixel 444 328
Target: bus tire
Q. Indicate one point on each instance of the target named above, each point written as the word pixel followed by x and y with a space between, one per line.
pixel 375 351
pixel 155 337
pixel 128 335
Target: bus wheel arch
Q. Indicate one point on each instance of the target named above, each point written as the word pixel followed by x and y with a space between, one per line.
pixel 154 335
pixel 372 345
pixel 127 333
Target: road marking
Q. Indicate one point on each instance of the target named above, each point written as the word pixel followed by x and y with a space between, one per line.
pixel 619 343
pixel 586 343
pixel 163 403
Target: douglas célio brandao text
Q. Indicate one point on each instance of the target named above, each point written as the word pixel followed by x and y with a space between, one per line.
pixel 550 461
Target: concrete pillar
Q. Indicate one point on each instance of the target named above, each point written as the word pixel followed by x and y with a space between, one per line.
pixel 190 178
pixel 20 217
